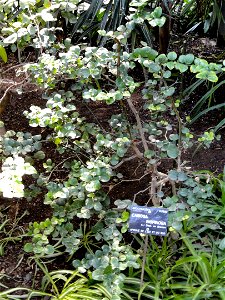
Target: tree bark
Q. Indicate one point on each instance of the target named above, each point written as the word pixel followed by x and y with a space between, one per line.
pixel 221 26
pixel 164 31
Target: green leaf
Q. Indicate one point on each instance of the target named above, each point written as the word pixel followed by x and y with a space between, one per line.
pixel 47 16
pixel 122 204
pixel 157 22
pixel 202 74
pixel 189 58
pixel 201 62
pixel 13 48
pixel 172 151
pixel 114 160
pixel 31 29
pixel 177 225
pixel 170 65
pixel 120 83
pixel 173 137
pixel 182 176
pixel 39 155
pixel 120 152
pixel 28 247
pixel 167 74
pixel 10 39
pixel 169 91
pixel 173 175
pixel 181 67
pixel 114 262
pixel 105 177
pixel 172 56
pixel 222 244
pixel 193 208
pixel 125 216
pixel 181 59
pixel 93 186
pixel 162 59
pixel 149 153
pixel 49 249
pixel 98 206
pixel 212 76
pixel 145 52
pixel 154 68
pixel 183 192
pixel 58 141
pixel 187 260
pixel 207 110
pixel 157 13
pixel 3 54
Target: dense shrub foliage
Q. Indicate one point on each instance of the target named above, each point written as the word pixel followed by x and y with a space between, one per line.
pixel 86 224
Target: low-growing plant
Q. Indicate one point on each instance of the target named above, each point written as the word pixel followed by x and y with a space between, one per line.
pixel 61 284
pixel 201 274
pixel 10 231
pixel 75 285
pixel 184 268
pixel 155 275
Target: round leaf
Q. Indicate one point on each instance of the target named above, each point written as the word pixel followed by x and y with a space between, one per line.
pixel 172 151
pixel 39 155
pixel 10 39
pixel 172 56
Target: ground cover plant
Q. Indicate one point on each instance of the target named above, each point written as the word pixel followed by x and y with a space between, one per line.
pixel 87 224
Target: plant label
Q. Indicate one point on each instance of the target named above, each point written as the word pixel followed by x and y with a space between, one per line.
pixel 148 220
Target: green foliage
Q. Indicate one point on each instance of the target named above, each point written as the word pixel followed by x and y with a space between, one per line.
pixel 13 170
pixel 81 195
pixel 204 104
pixel 107 18
pixel 9 231
pixel 75 285
pixel 193 271
pixel 3 54
pixel 43 25
pixel 16 146
pixel 83 216
pixel 207 269
pixel 28 23
pixel 206 15
pixel 64 285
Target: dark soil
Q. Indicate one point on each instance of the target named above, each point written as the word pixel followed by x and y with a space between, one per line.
pixel 16 269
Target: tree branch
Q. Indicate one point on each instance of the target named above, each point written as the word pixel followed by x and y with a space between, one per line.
pixel 139 125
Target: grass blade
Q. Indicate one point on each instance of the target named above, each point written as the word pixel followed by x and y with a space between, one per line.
pixel 206 111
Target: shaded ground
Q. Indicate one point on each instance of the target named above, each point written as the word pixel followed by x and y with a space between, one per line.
pixel 15 267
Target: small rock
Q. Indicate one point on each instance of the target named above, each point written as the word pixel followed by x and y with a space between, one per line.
pixel 28 277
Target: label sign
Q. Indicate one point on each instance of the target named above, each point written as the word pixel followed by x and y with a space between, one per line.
pixel 148 220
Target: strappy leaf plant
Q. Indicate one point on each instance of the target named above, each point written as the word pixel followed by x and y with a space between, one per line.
pixel 101 16
pixel 201 273
pixel 61 285
pixel 180 271
pixel 204 16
